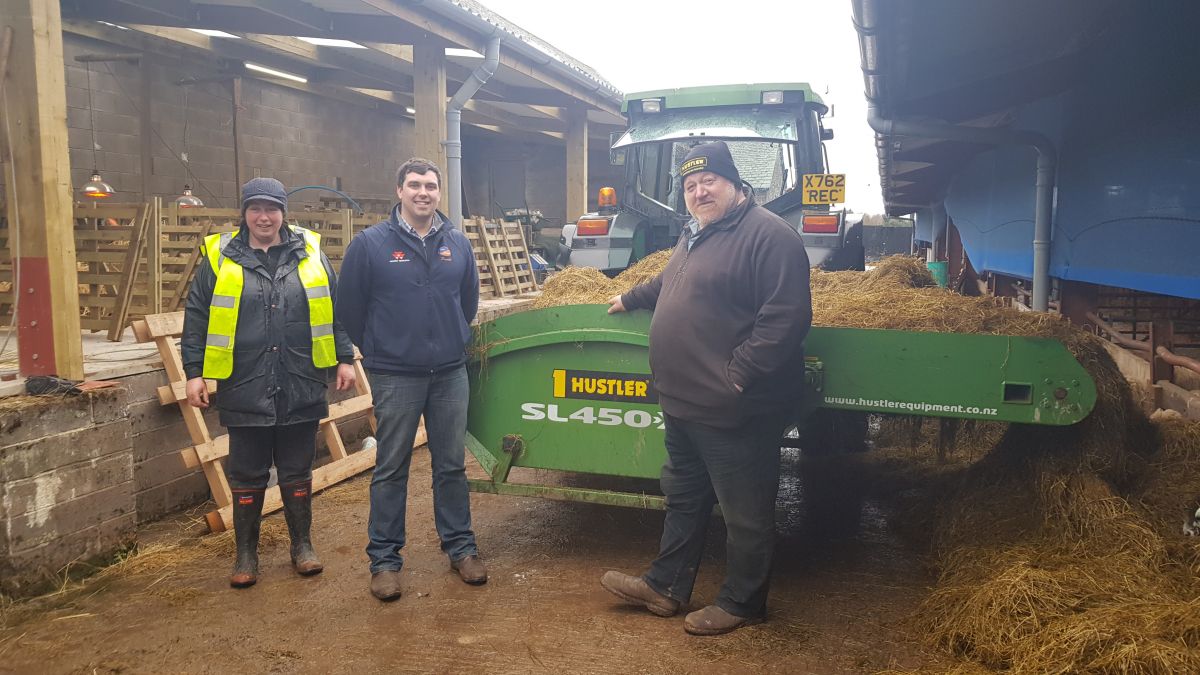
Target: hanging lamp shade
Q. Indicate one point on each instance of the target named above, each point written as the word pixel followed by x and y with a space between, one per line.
pixel 96 188
pixel 187 200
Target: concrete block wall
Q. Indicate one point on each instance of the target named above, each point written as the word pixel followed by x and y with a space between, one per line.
pixel 79 474
pixel 66 484
pixel 545 174
pixel 162 484
pixel 299 138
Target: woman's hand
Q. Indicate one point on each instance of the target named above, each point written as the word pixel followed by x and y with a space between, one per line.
pixel 345 376
pixel 197 392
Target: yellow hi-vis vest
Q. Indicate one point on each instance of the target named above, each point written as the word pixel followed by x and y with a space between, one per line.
pixel 227 295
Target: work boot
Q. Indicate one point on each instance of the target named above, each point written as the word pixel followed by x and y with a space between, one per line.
pixel 636 591
pixel 247 517
pixel 297 510
pixel 471 569
pixel 385 585
pixel 713 620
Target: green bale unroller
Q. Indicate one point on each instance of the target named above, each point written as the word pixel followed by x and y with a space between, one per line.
pixel 569 389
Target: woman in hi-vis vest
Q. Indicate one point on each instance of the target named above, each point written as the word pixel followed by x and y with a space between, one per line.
pixel 260 321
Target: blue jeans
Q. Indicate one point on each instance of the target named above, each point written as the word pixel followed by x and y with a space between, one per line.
pixel 400 401
pixel 738 468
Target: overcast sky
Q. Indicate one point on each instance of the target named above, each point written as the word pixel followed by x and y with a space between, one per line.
pixel 647 44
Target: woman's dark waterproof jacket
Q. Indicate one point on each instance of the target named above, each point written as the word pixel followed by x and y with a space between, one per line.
pixel 274 381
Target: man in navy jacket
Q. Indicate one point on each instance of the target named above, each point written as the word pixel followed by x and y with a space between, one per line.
pixel 407 294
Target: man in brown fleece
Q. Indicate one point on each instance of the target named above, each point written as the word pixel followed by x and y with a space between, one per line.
pixel 731 311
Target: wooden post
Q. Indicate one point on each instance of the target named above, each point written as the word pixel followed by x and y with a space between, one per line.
pixel 39 203
pixel 429 100
pixel 154 294
pixel 577 161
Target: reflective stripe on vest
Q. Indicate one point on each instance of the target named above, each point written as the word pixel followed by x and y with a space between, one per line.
pixel 227 295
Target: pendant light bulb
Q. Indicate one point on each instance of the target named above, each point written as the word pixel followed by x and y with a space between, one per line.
pixel 96 188
pixel 187 200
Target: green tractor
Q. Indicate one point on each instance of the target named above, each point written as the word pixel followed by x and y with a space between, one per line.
pixel 776 135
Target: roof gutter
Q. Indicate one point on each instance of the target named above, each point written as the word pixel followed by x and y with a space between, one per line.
pixel 866 11
pixel 479 76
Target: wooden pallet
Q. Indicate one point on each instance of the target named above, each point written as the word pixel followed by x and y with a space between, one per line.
pixel 502 256
pixel 487 282
pixel 209 453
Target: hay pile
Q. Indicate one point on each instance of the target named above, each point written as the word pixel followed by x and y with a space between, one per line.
pixel 587 285
pixel 1058 549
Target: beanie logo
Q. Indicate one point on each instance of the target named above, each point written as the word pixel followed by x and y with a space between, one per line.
pixel 693 165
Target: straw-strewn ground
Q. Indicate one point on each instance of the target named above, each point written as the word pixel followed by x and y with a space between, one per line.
pixel 1058 550
pixel 1012 549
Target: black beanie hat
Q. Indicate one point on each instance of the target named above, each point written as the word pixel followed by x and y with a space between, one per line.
pixel 266 190
pixel 712 157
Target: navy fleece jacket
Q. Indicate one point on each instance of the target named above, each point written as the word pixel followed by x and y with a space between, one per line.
pixel 408 304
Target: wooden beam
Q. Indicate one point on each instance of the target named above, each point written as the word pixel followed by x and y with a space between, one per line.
pixel 234 19
pixel 577 162
pixel 39 204
pixel 350 69
pixel 169 10
pixel 298 14
pixel 483 112
pixel 429 99
pixel 448 30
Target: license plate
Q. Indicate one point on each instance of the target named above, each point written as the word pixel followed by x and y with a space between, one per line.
pixel 824 188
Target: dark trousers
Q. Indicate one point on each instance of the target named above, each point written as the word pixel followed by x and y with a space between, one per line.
pixel 252 451
pixel 738 468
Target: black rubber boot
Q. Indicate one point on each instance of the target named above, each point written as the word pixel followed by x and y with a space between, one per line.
pixel 297 509
pixel 247 518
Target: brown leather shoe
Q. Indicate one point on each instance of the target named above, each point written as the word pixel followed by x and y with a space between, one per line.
pixel 636 591
pixel 385 585
pixel 471 569
pixel 713 620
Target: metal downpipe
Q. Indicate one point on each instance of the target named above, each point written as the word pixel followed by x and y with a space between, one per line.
pixel 453 142
pixel 1046 168
pixel 939 230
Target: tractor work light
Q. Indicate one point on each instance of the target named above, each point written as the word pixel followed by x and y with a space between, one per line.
pixel 652 105
pixel 591 227
pixel 772 97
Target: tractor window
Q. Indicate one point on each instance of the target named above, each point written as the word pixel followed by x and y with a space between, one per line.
pixel 653 172
pixel 811 152
pixel 769 168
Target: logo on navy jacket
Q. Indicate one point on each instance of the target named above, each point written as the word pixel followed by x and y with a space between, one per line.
pixel 398 256
pixel 444 253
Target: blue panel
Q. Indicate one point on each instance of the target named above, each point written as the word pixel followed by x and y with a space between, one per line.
pixel 1127 207
pixel 923 229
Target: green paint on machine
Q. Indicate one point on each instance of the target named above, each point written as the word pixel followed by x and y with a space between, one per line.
pixel 569 389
